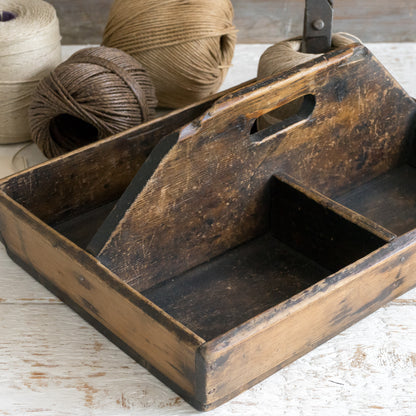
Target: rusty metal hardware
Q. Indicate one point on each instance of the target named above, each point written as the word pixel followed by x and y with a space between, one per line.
pixel 317 31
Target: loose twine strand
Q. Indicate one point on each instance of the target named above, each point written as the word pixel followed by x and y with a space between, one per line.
pixel 186 46
pixel 97 92
pixel 29 49
pixel 284 56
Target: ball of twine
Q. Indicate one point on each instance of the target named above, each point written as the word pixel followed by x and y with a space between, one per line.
pixel 284 56
pixel 30 47
pixel 186 46
pixel 97 92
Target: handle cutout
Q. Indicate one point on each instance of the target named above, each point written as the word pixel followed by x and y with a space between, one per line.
pixel 283 117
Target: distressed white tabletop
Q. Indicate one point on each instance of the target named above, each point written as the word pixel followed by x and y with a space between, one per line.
pixel 54 363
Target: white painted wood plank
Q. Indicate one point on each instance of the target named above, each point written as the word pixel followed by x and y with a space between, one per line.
pixel 53 363
pixel 18 287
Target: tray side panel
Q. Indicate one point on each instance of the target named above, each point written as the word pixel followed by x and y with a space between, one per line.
pixel 95 174
pixel 319 231
pixel 168 347
pixel 248 354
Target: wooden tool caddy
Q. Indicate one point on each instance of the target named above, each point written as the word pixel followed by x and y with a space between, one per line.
pixel 215 254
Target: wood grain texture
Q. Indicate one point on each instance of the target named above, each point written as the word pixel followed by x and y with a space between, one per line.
pixel 214 298
pixel 309 239
pixel 263 21
pixel 186 205
pixel 281 338
pixel 216 197
pixel 119 159
pixel 368 369
pixel 82 281
pixel 398 186
pixel 78 368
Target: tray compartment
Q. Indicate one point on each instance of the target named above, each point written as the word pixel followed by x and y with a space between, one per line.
pixel 388 199
pixel 218 296
pixel 309 237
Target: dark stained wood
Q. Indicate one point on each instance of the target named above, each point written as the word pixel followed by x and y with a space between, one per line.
pixel 97 174
pixel 389 199
pixel 81 228
pixel 233 288
pixel 261 346
pixel 205 231
pixel 262 21
pixel 204 190
pixel 311 237
pixel 314 227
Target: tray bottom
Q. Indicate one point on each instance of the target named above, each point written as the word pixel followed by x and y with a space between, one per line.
pixel 217 296
pixel 81 228
pixel 389 199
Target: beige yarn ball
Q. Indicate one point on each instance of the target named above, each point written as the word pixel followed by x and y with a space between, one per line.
pixel 186 46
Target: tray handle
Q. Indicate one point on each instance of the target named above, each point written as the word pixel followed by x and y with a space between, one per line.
pixel 241 108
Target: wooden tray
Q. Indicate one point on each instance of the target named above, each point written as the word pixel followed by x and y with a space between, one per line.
pixel 214 253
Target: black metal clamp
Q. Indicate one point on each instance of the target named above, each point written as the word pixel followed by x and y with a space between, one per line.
pixel 317 30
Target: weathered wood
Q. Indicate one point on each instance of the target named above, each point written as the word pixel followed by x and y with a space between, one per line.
pixel 205 188
pixel 321 229
pixel 311 237
pixel 92 290
pixel 79 185
pixel 218 296
pixel 244 356
pixel 264 21
pixel 80 229
pixel 217 172
pixel 51 361
pixel 389 199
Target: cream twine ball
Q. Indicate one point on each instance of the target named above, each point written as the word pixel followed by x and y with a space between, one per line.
pixel 284 56
pixel 95 93
pixel 185 45
pixel 29 49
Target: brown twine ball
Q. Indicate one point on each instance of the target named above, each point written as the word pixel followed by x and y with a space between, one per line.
pixel 186 46
pixel 97 92
pixel 284 56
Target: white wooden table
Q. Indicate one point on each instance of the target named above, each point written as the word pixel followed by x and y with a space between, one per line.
pixel 54 363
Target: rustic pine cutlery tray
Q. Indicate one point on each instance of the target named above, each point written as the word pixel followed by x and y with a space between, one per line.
pixel 214 253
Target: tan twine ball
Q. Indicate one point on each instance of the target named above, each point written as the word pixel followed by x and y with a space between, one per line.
pixel 185 45
pixel 284 56
pixel 97 92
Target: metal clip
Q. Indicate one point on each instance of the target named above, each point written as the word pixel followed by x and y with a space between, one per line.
pixel 317 30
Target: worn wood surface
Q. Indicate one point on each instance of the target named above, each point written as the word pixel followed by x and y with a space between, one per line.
pixel 284 333
pixel 389 199
pixel 368 369
pixel 263 21
pixel 310 238
pixel 214 298
pixel 317 227
pixel 83 283
pixel 53 363
pixel 119 159
pixel 211 178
